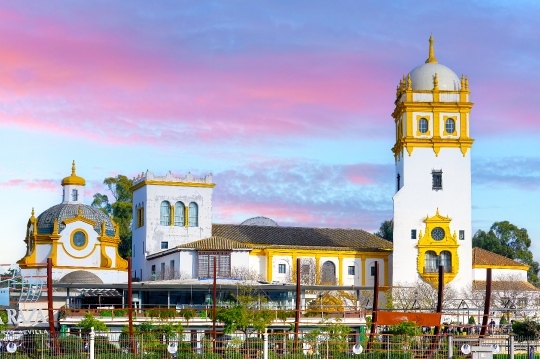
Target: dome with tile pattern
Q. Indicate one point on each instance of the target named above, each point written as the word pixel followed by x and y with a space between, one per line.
pixel 82 277
pixel 64 211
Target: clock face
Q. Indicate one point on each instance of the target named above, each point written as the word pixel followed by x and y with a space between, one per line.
pixel 437 233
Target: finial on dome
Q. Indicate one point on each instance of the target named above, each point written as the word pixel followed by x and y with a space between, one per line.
pixel 431 59
pixel 435 82
pixel 409 82
pixel 466 82
pixel 73 168
pixel 32 211
pixel 463 82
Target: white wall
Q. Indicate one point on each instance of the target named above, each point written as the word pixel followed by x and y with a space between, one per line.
pixel 417 199
pixel 500 274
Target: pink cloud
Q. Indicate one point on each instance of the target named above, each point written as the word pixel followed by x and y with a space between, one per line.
pixel 34 184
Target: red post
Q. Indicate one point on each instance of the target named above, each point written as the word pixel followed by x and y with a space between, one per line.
pixel 50 305
pixel 214 299
pixel 130 307
pixel 375 308
pixel 297 314
pixel 487 304
pixel 440 297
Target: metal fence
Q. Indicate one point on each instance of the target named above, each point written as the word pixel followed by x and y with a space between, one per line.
pixel 199 345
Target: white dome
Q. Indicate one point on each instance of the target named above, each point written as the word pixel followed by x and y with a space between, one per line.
pixel 422 77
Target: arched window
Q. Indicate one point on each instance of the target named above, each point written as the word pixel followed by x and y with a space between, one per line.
pixel 328 273
pixel 165 214
pixel 430 262
pixel 423 125
pixel 193 220
pixel 445 259
pixel 179 214
pixel 450 126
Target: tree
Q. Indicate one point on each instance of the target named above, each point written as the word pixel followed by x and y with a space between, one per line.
pixel 121 208
pixel 510 241
pixel 244 319
pixel 386 230
pixel 89 321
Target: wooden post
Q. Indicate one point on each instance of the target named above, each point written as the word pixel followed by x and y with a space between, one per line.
pixel 130 307
pixel 50 306
pixel 487 304
pixel 214 299
pixel 297 314
pixel 375 308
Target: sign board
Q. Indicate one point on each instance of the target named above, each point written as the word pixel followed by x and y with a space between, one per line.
pixel 30 317
pixel 421 319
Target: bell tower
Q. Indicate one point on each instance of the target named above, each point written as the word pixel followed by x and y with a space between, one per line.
pixel 432 153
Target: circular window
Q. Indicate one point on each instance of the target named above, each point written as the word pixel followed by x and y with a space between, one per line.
pixel 79 239
pixel 437 233
pixel 450 126
pixel 423 125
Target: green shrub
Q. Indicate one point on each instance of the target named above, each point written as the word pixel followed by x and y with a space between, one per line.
pixel 71 344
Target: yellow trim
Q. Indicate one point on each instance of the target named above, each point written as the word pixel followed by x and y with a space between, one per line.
pixel 431 59
pixel 363 262
pixel 318 269
pixel 79 217
pixel 454 118
pixel 386 271
pixel 523 267
pixel 257 252
pixel 186 215
pixel 78 267
pixel 73 243
pixel 269 260
pixel 171 215
pixel 340 265
pixel 75 257
pixel 73 179
pixel 427 243
pixel 106 261
pixel 174 184
pixel 428 119
pixel 121 263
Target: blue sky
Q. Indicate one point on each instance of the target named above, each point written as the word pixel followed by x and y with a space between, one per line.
pixel 287 103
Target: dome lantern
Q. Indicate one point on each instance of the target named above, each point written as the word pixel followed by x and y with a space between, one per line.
pixel 73 179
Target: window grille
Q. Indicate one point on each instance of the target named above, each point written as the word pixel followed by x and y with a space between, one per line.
pixel 436 181
pixel 350 270
pixel 164 245
pixel 423 125
pixel 450 126
pixel 413 233
pixel 74 195
pixel 165 214
pixel 282 268
pixel 193 215
pixel 206 264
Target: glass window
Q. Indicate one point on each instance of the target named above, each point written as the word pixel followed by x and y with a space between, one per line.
pixel 140 217
pixel 179 210
pixel 398 182
pixel 430 262
pixel 461 235
pixel 164 245
pixel 413 233
pixel 423 125
pixel 74 195
pixel 153 268
pixel 350 270
pixel 206 264
pixel 165 214
pixel 193 215
pixel 79 239
pixel 445 259
pixel 373 271
pixel 450 126
pixel 282 268
pixel 436 180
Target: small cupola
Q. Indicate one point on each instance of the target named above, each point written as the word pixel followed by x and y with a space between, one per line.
pixel 73 187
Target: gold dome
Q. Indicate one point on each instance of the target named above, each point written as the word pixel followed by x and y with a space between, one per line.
pixel 73 179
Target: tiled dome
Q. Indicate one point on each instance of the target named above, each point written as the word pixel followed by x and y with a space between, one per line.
pixel 64 211
pixel 82 277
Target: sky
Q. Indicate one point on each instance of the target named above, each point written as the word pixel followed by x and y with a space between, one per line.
pixel 287 103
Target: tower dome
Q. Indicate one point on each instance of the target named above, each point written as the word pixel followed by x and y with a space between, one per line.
pixel 73 179
pixel 422 76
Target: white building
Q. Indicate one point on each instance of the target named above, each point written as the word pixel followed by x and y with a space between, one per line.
pixel 81 240
pixel 432 204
